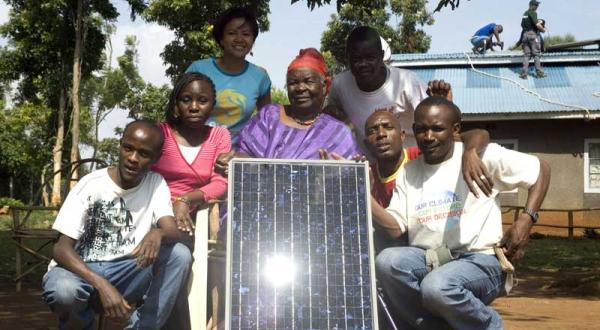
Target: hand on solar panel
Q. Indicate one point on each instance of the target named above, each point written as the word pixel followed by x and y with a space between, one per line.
pixel 324 155
pixel 440 88
pixel 147 251
pixel 222 162
pixel 183 220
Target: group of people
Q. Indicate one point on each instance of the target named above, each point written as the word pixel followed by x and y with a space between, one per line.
pixel 124 246
pixel 531 39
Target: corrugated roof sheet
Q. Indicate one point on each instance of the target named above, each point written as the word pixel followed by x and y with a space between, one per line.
pixel 570 82
pixel 504 57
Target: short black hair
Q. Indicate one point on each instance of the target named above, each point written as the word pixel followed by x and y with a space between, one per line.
pixel 395 119
pixel 438 100
pixel 363 34
pixel 152 126
pixel 231 14
pixel 180 84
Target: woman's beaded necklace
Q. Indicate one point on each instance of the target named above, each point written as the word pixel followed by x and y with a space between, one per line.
pixel 306 122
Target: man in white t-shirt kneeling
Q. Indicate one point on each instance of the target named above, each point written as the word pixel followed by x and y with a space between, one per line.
pixel 449 273
pixel 118 242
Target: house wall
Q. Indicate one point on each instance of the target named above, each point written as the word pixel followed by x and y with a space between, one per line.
pixel 561 144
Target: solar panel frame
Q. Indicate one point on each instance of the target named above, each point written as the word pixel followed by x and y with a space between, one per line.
pixel 364 167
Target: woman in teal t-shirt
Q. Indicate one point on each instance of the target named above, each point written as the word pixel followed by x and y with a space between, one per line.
pixel 241 86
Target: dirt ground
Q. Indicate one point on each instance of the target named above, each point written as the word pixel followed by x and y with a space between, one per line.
pixel 541 300
pixel 552 300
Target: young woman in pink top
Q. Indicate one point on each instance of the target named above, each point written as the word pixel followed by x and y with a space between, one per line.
pixel 191 148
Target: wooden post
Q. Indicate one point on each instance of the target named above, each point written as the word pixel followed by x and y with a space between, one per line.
pixel 19 240
pixel 197 283
pixel 570 224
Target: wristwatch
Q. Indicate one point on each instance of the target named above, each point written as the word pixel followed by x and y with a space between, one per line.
pixel 183 199
pixel 533 214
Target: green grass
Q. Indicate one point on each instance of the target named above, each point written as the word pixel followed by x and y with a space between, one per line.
pixel 560 253
pixel 38 219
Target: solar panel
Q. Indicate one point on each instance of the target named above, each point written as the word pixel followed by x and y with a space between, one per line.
pixel 299 250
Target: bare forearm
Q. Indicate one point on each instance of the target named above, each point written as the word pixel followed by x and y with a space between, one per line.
pixel 497 35
pixel 475 139
pixel 385 220
pixel 195 197
pixel 538 191
pixel 66 257
pixel 168 230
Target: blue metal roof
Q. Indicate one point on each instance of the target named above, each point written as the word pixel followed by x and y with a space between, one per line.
pixel 572 82
pixel 490 57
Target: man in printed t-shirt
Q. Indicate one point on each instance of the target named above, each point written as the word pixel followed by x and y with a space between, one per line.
pixel 117 242
pixel 449 273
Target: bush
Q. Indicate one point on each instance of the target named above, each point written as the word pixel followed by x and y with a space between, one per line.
pixel 7 201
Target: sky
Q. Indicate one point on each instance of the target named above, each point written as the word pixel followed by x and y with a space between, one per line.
pixel 293 27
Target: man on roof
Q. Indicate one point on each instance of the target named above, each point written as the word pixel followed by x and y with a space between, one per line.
pixel 482 39
pixel 530 41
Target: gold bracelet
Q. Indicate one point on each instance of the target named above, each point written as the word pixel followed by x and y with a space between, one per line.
pixel 183 199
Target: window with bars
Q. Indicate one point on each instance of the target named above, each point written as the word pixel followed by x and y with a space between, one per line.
pixel 592 166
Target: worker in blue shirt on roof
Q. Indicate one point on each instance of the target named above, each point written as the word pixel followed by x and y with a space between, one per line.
pixel 482 39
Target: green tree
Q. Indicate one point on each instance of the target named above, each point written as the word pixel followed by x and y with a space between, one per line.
pixel 445 3
pixel 52 46
pixel 406 37
pixel 25 145
pixel 340 3
pixel 279 96
pixel 108 150
pixel 121 88
pixel 556 40
pixel 39 51
pixel 192 22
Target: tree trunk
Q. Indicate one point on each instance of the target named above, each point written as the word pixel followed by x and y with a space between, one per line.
pixel 58 149
pixel 75 92
pixel 44 186
pixel 31 197
pixel 11 186
pixel 101 113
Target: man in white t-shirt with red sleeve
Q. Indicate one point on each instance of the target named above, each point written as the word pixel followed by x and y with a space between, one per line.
pixel 449 273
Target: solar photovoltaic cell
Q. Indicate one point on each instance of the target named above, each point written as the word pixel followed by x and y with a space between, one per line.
pixel 299 246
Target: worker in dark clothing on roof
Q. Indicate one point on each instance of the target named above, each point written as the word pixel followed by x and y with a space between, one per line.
pixel 530 41
pixel 482 39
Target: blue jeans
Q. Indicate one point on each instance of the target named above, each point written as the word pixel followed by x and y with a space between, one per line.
pixel 69 295
pixel 477 40
pixel 457 293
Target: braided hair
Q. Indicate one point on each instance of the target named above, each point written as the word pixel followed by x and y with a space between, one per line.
pixel 180 84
